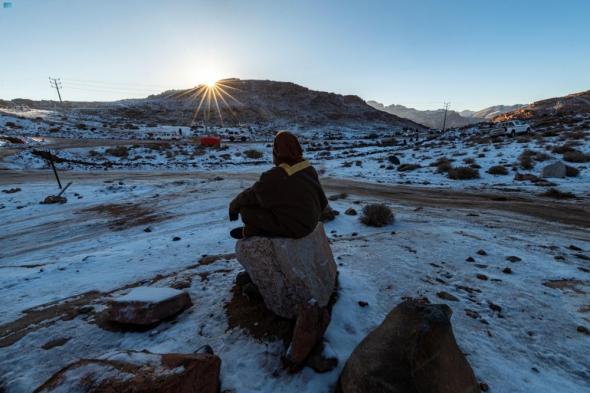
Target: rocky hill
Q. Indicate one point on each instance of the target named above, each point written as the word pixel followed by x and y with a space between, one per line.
pixel 572 104
pixel 235 101
pixel 434 118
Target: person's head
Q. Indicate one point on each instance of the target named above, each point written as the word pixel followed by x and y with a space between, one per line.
pixel 286 149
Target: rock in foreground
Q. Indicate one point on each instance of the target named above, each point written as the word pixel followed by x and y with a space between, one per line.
pixel 290 272
pixel 412 351
pixel 146 306
pixel 138 372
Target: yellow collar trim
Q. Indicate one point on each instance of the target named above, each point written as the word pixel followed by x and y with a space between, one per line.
pixel 291 170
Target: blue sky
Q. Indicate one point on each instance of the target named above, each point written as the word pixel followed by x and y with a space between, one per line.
pixel 415 53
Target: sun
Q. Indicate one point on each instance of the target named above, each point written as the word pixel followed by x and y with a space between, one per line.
pixel 211 83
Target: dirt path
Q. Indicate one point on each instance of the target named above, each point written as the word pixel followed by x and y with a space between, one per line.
pixel 575 213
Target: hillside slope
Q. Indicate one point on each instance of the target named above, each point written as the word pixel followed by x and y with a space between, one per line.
pixel 260 102
pixel 576 103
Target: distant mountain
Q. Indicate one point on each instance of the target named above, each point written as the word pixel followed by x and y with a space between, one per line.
pixel 434 118
pixel 260 102
pixel 576 103
pixel 493 111
pixel 431 119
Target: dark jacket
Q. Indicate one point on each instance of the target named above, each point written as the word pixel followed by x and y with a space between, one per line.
pixel 293 194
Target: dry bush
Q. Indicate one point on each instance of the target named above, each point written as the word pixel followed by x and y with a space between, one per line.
pixel 408 167
pixel 377 215
pixel 556 194
pixel 576 156
pixel 469 161
pixel 498 170
pixel 443 164
pixel 576 135
pixel 563 148
pixel 253 154
pixel 570 171
pixel 119 151
pixel 463 173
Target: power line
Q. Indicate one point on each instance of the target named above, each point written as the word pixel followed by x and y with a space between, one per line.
pixel 56 84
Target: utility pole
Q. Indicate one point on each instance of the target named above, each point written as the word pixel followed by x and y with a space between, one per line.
pixel 56 84
pixel 447 104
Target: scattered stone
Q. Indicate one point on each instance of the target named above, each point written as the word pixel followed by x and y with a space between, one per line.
pixel 312 321
pixel 328 214
pixel 350 212
pixel 470 259
pixel 574 248
pixel 482 277
pixel 138 372
pixel 535 370
pixel 507 270
pixel 53 199
pixel 495 307
pixel 559 258
pixel 513 259
pixel 472 313
pixel 175 238
pixel 556 169
pixel 484 386
pixel 447 296
pixel 11 190
pixel 147 229
pixel 58 342
pixel 583 329
pixel 146 306
pixel 413 350
pixel 270 263
pixel 362 303
pixel 482 253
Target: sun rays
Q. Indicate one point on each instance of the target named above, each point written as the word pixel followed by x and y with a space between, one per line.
pixel 213 94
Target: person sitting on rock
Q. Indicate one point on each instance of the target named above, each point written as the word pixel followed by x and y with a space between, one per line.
pixel 286 201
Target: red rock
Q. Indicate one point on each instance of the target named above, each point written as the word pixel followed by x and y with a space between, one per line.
pixel 312 322
pixel 146 306
pixel 138 372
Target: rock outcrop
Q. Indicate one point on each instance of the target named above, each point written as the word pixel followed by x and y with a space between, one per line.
pixel 145 306
pixel 290 272
pixel 138 372
pixel 412 351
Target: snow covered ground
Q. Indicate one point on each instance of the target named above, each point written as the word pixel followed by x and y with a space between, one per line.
pixel 341 154
pixel 117 234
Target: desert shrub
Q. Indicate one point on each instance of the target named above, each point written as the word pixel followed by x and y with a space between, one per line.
pixel 407 167
pixel 576 156
pixel 119 151
pixel 556 194
pixel 563 149
pixel 377 215
pixel 498 170
pixel 526 162
pixel 469 161
pixel 570 171
pixel 579 134
pixel 443 164
pixel 81 126
pixel 93 153
pixel 253 154
pixel 463 173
